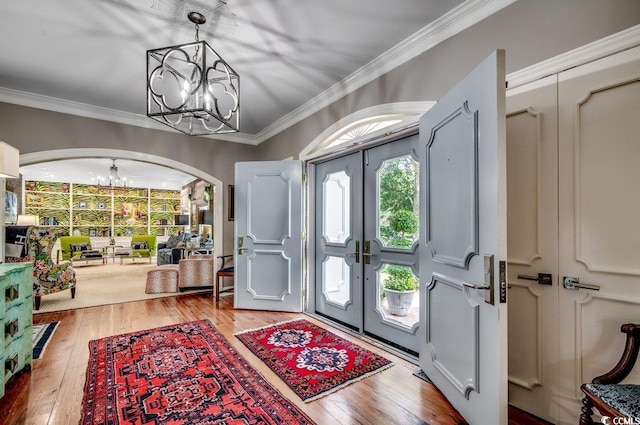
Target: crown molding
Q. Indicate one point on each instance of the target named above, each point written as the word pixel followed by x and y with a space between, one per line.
pixel 607 46
pixel 54 104
pixel 455 21
pixel 451 23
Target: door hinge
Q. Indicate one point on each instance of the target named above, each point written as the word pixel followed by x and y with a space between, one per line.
pixel 303 235
pixel 304 177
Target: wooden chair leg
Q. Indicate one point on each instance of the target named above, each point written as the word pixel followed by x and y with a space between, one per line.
pixel 587 412
pixel 217 289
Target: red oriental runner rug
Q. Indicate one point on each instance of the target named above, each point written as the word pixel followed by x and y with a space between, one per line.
pixel 312 361
pixel 181 374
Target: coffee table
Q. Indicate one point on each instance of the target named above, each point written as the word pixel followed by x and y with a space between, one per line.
pixel 110 251
pixel 133 257
pixel 78 259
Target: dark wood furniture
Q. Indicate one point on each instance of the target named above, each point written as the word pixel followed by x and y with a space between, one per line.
pixel 594 394
pixel 226 269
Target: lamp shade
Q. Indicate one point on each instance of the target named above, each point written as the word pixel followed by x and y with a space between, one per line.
pixel 9 161
pixel 27 220
pixel 182 220
pixel 205 217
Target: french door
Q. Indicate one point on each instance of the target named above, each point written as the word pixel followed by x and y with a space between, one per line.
pixel 366 238
pixel 339 240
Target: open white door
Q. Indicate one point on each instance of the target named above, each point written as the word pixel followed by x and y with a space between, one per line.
pixel 462 152
pixel 268 235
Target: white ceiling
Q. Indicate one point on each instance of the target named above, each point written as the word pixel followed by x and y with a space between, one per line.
pixel 92 54
pixel 88 170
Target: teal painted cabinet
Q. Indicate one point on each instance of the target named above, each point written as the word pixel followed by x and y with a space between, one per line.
pixel 16 305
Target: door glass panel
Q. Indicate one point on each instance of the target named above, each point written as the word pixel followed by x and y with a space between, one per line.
pixel 336 283
pixel 337 208
pixel 398 299
pixel 397 182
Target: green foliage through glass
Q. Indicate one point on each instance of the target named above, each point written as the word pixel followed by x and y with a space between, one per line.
pixel 398 202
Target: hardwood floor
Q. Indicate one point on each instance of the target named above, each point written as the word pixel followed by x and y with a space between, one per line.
pixel 51 393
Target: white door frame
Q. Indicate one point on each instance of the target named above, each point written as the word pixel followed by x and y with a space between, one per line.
pixel 614 43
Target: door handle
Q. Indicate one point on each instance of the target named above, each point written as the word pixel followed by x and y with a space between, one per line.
pixel 356 252
pixel 474 286
pixel 542 278
pixel 574 283
pixel 367 252
pixel 241 250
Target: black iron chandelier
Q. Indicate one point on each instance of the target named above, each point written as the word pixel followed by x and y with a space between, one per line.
pixel 191 88
pixel 115 181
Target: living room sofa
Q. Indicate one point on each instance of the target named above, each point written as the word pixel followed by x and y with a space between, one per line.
pixel 171 251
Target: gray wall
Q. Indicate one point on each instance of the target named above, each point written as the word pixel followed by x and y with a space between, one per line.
pixel 33 130
pixel 529 30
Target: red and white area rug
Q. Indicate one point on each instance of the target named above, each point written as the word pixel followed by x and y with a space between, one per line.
pixel 181 374
pixel 312 361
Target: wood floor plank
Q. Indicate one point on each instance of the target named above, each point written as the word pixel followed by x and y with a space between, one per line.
pixel 52 392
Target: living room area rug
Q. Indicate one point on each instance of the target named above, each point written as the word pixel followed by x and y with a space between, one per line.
pixel 311 360
pixel 104 284
pixel 186 373
pixel 41 335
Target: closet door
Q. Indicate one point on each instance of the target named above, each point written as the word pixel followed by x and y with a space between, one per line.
pixel 532 241
pixel 599 200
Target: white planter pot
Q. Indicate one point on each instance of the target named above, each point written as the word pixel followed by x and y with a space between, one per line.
pixel 399 301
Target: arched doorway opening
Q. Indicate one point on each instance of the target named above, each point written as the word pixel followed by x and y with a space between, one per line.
pixel 63 154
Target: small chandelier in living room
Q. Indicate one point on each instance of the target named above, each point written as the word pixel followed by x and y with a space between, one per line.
pixel 191 88
pixel 115 181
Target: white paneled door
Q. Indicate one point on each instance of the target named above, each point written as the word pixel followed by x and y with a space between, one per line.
pixel 532 240
pixel 462 154
pixel 338 240
pixel 599 200
pixel 572 230
pixel 268 235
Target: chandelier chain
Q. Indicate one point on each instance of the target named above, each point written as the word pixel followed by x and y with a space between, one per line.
pixel 195 55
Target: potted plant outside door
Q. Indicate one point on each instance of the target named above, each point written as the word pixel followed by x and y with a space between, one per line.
pixel 400 287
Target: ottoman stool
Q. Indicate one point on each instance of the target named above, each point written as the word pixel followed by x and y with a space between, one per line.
pixel 162 279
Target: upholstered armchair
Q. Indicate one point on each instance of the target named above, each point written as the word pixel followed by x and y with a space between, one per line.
pixel 49 277
pixel 145 245
pixel 72 245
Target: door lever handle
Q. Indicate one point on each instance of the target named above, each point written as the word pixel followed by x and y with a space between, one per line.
pixel 241 249
pixel 367 252
pixel 474 286
pixel 574 283
pixel 542 278
pixel 356 252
